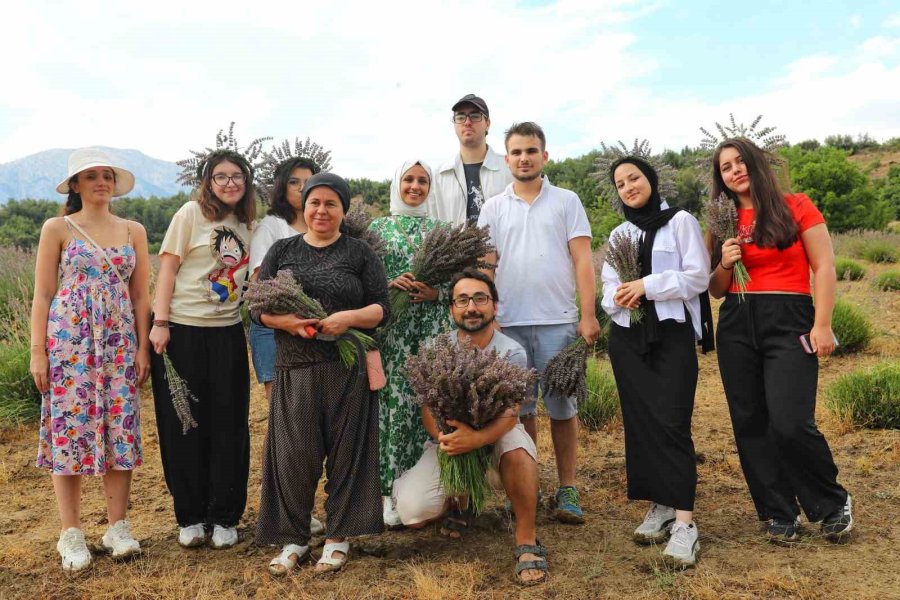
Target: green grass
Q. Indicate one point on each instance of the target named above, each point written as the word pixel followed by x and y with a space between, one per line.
pixel 848 270
pixel 868 397
pixel 888 281
pixel 851 327
pixel 879 251
pixel 18 396
pixel 602 402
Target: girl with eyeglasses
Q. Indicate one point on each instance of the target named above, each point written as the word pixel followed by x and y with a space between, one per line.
pixel 197 324
pixel 401 432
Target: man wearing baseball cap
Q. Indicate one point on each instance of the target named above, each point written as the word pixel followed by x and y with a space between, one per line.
pixel 472 175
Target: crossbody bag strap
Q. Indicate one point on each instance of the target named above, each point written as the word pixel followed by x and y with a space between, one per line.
pixel 97 246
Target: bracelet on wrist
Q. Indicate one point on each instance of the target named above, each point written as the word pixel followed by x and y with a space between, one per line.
pixel 721 264
pixel 160 323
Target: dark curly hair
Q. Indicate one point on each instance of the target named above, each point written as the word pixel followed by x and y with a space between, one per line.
pixel 280 205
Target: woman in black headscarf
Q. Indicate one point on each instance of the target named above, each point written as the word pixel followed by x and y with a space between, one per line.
pixel 654 361
pixel 322 410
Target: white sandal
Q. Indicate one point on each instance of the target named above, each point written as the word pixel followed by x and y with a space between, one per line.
pixel 285 562
pixel 333 564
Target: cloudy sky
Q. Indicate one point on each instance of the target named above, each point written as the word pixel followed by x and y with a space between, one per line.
pixel 374 81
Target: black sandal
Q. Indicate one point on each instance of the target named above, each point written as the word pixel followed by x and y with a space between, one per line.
pixel 456 521
pixel 538 565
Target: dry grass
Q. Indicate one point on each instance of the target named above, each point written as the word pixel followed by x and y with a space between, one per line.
pixel 592 562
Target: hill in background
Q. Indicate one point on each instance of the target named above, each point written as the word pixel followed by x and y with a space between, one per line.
pixel 36 176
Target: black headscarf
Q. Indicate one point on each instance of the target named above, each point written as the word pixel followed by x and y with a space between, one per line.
pixel 336 183
pixel 649 218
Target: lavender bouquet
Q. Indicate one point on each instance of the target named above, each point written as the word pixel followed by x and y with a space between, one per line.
pixel 565 373
pixel 463 383
pixel 357 221
pixel 624 256
pixel 445 251
pixel 181 395
pixel 283 295
pixel 721 218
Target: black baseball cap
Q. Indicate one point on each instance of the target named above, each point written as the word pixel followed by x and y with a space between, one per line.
pixel 475 101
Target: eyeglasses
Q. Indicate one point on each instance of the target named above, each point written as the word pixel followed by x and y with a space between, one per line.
pixel 295 183
pixel 460 117
pixel 478 299
pixel 221 179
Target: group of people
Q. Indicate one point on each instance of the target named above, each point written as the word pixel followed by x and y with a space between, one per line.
pixel 95 340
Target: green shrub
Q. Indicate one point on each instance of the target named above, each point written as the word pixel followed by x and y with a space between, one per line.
pixel 19 398
pixel 602 402
pixel 879 251
pixel 889 281
pixel 852 328
pixel 848 270
pixel 868 397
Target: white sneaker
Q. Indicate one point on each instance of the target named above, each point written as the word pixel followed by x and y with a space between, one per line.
pixel 119 542
pixel 192 535
pixel 655 527
pixel 683 546
pixel 74 552
pixel 389 513
pixel 316 527
pixel 223 537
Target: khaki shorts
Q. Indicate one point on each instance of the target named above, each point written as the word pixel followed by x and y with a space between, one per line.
pixel 418 494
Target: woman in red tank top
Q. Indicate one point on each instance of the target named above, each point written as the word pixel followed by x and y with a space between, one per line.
pixel 768 375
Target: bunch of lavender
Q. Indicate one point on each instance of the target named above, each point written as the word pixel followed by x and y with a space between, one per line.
pixel 181 395
pixel 463 383
pixel 445 251
pixel 283 295
pixel 721 217
pixel 624 256
pixel 357 222
pixel 565 373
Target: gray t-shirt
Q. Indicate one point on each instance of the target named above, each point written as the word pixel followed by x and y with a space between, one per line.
pixel 474 193
pixel 508 348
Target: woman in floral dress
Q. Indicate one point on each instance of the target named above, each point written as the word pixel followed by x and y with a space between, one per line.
pixel 401 431
pixel 90 322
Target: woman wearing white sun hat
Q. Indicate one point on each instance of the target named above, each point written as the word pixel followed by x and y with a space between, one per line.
pixel 90 351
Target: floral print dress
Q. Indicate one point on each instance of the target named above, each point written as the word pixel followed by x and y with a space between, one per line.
pixel 401 433
pixel 90 416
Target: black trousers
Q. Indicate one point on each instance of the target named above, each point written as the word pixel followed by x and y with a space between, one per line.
pixel 770 384
pixel 656 392
pixel 206 468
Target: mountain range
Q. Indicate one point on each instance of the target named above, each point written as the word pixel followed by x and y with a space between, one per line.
pixel 37 175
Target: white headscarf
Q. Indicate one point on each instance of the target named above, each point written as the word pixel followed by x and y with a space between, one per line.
pixel 398 206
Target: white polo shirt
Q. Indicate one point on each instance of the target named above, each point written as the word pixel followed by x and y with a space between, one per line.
pixel 535 275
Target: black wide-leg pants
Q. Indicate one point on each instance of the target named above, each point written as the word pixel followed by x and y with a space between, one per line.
pixel 656 392
pixel 206 469
pixel 770 384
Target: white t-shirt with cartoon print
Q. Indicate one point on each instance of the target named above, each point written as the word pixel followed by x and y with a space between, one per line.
pixel 214 258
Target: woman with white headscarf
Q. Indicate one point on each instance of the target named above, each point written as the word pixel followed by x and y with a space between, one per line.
pixel 401 432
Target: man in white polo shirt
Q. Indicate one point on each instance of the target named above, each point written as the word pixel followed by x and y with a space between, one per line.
pixel 543 242
pixel 475 173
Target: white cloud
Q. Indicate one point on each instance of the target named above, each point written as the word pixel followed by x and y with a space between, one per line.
pixel 375 84
pixel 855 21
pixel 892 20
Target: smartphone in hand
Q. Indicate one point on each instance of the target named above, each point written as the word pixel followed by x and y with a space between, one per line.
pixel 807 345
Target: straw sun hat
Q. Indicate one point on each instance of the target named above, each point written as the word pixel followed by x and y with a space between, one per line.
pixel 87 158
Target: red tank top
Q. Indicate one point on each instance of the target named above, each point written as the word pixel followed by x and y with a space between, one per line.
pixel 771 269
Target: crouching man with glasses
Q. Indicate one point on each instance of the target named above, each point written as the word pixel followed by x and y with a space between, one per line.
pixel 419 497
pixel 472 175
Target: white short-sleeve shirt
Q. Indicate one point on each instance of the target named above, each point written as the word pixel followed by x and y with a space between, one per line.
pixel 270 230
pixel 535 275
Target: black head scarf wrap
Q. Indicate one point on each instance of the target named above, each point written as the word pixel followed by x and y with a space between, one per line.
pixel 649 218
pixel 334 182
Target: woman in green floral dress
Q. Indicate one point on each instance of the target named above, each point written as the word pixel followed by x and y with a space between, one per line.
pixel 401 432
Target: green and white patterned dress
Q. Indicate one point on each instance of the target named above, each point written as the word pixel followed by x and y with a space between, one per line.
pixel 402 435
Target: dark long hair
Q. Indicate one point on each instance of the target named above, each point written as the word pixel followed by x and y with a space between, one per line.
pixel 73 200
pixel 210 205
pixel 280 205
pixel 775 226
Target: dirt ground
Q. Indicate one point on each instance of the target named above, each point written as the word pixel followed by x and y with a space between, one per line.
pixel 597 560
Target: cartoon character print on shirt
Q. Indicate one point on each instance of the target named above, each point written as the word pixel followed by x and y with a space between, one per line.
pixel 231 253
pixel 476 198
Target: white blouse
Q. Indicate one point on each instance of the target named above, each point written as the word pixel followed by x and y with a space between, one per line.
pixel 680 272
pixel 268 231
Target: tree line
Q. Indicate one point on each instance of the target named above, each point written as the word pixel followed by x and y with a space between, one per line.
pixel 844 192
